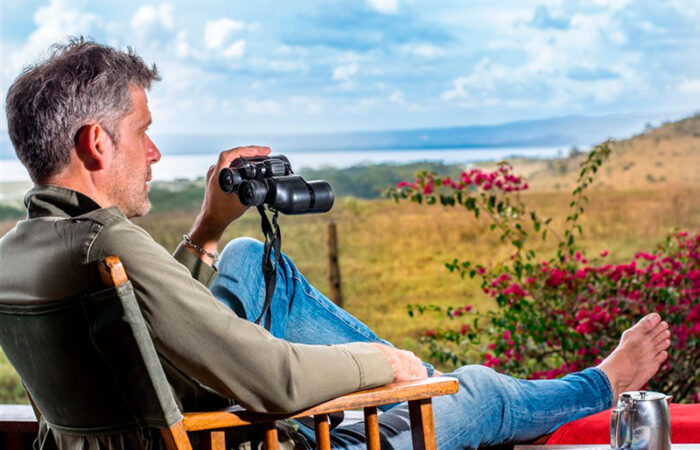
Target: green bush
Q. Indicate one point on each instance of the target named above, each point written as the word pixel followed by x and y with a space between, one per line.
pixel 11 389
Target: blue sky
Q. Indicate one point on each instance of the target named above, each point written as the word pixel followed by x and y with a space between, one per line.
pixel 325 66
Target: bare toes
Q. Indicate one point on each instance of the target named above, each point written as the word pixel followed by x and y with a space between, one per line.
pixel 661 357
pixel 650 320
pixel 664 335
pixel 663 345
pixel 658 328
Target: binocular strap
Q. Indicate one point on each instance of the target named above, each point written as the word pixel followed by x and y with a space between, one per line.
pixel 273 241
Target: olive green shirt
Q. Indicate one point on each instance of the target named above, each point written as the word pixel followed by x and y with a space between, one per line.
pixel 211 356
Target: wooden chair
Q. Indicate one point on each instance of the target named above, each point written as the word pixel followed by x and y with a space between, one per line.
pixel 96 346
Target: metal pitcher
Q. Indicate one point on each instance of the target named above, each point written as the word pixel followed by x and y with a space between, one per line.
pixel 641 421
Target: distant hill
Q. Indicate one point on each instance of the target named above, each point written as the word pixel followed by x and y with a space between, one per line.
pixel 565 132
pixel 665 156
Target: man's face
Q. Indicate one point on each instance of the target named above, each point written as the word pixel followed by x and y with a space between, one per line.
pixel 133 157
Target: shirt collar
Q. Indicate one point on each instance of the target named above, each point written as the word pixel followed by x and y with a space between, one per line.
pixel 56 201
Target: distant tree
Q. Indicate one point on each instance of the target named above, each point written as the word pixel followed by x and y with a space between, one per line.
pixel 574 152
pixel 9 212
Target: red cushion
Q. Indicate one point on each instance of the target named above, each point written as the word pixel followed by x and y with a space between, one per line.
pixel 595 429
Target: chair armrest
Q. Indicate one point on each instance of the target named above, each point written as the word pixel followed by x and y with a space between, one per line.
pixel 390 393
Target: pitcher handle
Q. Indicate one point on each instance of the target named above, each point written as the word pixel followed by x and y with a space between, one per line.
pixel 615 425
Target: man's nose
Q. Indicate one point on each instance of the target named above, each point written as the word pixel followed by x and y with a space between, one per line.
pixel 152 151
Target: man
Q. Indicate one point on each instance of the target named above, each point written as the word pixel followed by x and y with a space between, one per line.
pixel 78 122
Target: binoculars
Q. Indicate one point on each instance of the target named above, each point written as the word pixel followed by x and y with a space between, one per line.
pixel 269 180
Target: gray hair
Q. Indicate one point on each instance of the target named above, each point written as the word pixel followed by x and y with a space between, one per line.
pixel 79 83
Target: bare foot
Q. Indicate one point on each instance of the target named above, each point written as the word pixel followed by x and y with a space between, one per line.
pixel 639 355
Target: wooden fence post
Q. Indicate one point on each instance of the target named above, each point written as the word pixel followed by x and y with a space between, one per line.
pixel 334 272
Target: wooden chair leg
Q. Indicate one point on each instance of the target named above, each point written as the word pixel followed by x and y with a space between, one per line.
pixel 323 432
pixel 372 428
pixel 422 425
pixel 175 437
pixel 213 440
pixel 270 438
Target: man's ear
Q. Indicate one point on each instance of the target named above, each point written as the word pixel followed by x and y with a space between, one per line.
pixel 94 146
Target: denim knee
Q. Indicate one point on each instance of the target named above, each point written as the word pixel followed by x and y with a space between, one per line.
pixel 241 251
pixel 479 380
pixel 476 372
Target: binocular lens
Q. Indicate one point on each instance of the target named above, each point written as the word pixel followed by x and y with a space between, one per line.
pixel 323 196
pixel 229 180
pixel 252 192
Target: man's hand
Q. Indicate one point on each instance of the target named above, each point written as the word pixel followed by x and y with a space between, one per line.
pixel 405 364
pixel 220 209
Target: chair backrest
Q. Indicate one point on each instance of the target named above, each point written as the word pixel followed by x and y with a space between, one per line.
pixel 89 362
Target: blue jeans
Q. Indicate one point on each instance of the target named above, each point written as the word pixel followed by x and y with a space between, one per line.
pixel 490 408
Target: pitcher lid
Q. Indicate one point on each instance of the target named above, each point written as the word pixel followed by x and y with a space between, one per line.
pixel 638 396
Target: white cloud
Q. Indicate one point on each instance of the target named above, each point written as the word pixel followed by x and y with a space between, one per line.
pixel 363 105
pixel 154 26
pixel 384 6
pixel 149 16
pixel 492 16
pixel 613 4
pixel 265 107
pixel 345 73
pixel 289 50
pixel 235 50
pixel 690 87
pixel 314 108
pixel 279 65
pixel 650 27
pixel 54 23
pixel 216 32
pixel 182 47
pixel 185 88
pixel 311 105
pixel 543 78
pixel 459 88
pixel 426 51
pixel 397 97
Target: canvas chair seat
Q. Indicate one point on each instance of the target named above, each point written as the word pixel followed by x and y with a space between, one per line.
pixel 71 352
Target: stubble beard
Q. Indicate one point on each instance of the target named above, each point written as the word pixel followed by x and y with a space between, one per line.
pixel 133 197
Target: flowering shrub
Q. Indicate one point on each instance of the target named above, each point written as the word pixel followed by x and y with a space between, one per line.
pixel 566 313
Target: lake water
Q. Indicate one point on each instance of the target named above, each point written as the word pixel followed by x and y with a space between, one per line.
pixel 171 167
